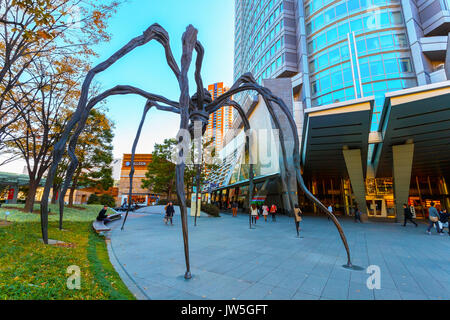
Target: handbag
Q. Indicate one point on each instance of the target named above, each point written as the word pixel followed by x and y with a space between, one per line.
pixel 257 217
pixel 434 219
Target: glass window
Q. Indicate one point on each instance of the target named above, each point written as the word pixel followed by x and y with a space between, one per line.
pixel 321 40
pixel 308 28
pixel 386 41
pixel 341 9
pixel 350 93
pixel 373 44
pixel 338 96
pixel 334 56
pixel 329 15
pixel 384 19
pixel 400 40
pixel 343 30
pixel 353 5
pixel 344 51
pixel 312 67
pixel 396 17
pixel 332 35
pixel 394 85
pixel 322 61
pixel 365 72
pixel 336 79
pixel 361 46
pixel 367 89
pixel 318 22
pixel 356 25
pixel 391 66
pixel 379 86
pixel 376 68
pixel 325 83
pixel 348 76
pixel 405 65
pixel 314 88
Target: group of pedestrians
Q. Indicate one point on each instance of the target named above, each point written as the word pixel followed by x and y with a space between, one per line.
pixel 264 210
pixel 439 219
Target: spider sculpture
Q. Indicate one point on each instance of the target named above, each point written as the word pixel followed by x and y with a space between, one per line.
pixel 192 110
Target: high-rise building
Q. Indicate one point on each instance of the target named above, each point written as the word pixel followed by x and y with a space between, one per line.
pixel 366 81
pixel 221 120
pixel 337 51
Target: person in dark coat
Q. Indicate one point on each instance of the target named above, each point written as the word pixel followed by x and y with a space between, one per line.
pixel 357 214
pixel 408 215
pixel 169 213
pixel 443 218
pixel 102 216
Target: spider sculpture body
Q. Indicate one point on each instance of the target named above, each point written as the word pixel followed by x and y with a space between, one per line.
pixel 193 111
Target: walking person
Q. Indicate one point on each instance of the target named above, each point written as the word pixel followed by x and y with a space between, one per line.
pixel 298 218
pixel 444 216
pixel 433 216
pixel 265 212
pixel 234 207
pixel 408 215
pixel 254 212
pixel 273 212
pixel 357 214
pixel 169 213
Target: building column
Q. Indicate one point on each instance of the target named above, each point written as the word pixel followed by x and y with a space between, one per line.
pixel 355 172
pixel 447 58
pixel 402 168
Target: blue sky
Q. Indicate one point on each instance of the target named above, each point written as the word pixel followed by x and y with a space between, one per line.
pixel 147 69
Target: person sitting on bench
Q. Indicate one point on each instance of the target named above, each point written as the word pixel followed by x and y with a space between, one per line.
pixel 102 216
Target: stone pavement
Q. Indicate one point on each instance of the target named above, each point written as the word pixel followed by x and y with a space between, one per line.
pixel 230 261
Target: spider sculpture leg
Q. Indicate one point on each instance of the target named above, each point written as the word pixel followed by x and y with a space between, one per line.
pixel 154 32
pixel 246 82
pixel 118 90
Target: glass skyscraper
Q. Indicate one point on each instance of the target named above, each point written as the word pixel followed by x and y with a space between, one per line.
pixel 336 51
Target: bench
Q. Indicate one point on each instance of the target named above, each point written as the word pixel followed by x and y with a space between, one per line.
pixel 99 226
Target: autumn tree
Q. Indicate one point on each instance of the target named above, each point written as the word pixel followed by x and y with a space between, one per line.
pixel 35 132
pixel 31 32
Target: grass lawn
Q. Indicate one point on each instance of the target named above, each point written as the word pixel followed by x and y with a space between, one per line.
pixel 31 270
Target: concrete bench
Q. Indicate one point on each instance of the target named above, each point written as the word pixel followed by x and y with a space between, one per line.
pixel 99 226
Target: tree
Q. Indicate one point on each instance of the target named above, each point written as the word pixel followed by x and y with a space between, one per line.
pixel 36 29
pixel 160 175
pixel 35 132
pixel 94 151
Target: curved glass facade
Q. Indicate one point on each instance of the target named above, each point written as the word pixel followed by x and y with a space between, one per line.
pixel 357 48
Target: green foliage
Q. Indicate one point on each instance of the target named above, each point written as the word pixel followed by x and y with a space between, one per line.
pixel 210 209
pixel 93 199
pixel 160 175
pixel 107 200
pixel 94 151
pixel 31 270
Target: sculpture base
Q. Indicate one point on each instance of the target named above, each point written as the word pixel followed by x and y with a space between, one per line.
pixel 352 267
pixel 187 276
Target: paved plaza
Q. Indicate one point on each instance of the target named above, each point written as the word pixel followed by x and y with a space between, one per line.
pixel 230 261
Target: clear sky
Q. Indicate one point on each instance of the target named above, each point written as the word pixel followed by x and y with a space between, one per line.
pixel 146 67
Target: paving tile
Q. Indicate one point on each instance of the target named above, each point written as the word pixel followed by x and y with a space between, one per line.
pixel 313 285
pixel 336 289
pixel 230 261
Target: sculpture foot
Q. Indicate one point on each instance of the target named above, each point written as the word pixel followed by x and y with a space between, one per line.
pixel 187 275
